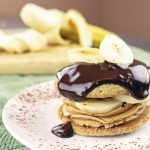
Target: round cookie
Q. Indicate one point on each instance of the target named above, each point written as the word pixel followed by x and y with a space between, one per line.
pixel 104 91
pixel 128 127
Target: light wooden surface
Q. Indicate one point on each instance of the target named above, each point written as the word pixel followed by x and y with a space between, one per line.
pixel 49 60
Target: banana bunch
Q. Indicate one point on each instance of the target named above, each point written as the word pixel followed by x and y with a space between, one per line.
pixel 112 49
pixel 29 40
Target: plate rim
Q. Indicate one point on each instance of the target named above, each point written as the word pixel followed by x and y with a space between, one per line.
pixel 8 128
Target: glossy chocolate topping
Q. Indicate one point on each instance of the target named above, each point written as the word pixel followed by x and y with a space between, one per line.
pixel 63 130
pixel 77 80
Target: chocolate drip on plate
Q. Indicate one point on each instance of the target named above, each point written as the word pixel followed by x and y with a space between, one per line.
pixel 78 80
pixel 63 130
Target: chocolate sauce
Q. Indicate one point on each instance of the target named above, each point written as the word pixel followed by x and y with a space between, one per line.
pixel 78 80
pixel 63 130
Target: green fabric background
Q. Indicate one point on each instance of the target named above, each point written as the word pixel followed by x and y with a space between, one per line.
pixel 11 84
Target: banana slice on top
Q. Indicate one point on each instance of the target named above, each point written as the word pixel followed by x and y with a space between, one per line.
pixel 115 50
pixel 76 24
pixel 40 18
pixel 98 106
pixel 89 55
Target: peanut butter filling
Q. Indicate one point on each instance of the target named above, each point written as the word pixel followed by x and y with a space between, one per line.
pixel 118 116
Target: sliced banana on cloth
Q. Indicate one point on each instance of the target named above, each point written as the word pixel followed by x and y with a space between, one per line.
pixel 115 50
pixel 88 55
pixel 29 40
pixel 40 18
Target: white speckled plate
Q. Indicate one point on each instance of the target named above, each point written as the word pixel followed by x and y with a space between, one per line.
pixel 30 116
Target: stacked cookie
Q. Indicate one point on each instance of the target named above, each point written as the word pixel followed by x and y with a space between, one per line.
pixel 119 119
pixel 106 98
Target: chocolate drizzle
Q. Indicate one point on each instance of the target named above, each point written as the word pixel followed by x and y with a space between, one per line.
pixel 63 130
pixel 77 80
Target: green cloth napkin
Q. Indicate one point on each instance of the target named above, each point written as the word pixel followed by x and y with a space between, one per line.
pixel 12 84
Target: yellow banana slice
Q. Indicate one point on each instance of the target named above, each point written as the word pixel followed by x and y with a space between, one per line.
pixel 4 42
pixel 40 18
pixel 54 37
pixel 76 23
pixel 89 55
pixel 34 40
pixel 129 99
pixel 11 44
pixel 98 106
pixel 16 45
pixel 29 40
pixel 115 50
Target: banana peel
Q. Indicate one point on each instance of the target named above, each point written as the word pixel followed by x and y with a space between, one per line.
pixel 98 34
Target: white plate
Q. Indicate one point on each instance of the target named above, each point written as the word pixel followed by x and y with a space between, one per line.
pixel 30 116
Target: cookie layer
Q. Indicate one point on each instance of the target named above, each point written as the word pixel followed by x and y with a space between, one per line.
pixel 94 128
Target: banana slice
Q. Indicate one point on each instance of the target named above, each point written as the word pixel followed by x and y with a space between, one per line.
pixel 16 45
pixel 11 44
pixel 89 55
pixel 40 18
pixel 30 40
pixel 34 40
pixel 54 37
pixel 129 99
pixel 4 42
pixel 76 24
pixel 115 50
pixel 98 106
